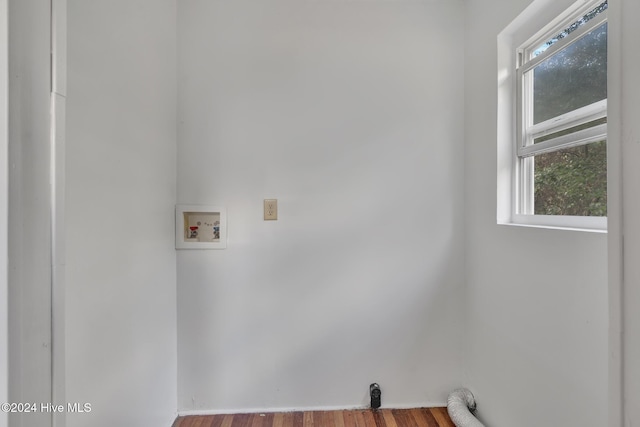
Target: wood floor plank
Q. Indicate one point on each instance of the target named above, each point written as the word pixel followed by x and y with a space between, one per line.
pixel 442 416
pixel 216 421
pixel 298 419
pixel 433 418
pixel 269 419
pixel 227 421
pixel 338 418
pixel 181 422
pixel 198 421
pixel 369 420
pixel 389 419
pixel 327 419
pixel 261 420
pixel 360 421
pixel 241 420
pixel 379 419
pixel 427 415
pixel 278 419
pixel 417 417
pixel 255 420
pixel 308 419
pixel 317 418
pixel 403 418
pixel 349 418
pixel 289 420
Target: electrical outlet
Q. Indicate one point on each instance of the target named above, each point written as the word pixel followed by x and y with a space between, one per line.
pixel 270 209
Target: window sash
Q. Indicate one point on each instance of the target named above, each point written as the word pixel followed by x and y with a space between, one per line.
pixel 527 149
pixel 584 115
pixel 526 130
pixel 575 139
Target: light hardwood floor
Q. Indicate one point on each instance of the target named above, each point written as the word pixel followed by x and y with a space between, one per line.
pixel 420 417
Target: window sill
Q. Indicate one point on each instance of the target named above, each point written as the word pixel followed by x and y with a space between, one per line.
pixel 553 222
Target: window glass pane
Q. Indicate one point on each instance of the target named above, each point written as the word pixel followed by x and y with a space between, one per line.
pixel 572 181
pixel 570 29
pixel 574 77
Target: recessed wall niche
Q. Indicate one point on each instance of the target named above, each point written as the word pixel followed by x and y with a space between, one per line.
pixel 201 227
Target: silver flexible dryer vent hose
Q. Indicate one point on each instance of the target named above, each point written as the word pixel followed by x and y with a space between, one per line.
pixel 459 403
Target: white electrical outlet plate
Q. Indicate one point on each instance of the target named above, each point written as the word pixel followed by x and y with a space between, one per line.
pixel 270 209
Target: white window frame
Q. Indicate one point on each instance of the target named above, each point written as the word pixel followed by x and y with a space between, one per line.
pixel 515 121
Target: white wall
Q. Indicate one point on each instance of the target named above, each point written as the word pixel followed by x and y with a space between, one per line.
pixel 614 209
pixel 350 114
pixel 120 293
pixel 537 299
pixel 4 198
pixel 630 60
pixel 58 189
pixel 29 250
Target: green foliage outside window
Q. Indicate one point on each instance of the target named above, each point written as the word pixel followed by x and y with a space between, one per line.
pixel 572 181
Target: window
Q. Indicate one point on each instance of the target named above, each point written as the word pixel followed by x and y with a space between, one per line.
pixel 560 162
